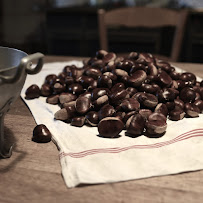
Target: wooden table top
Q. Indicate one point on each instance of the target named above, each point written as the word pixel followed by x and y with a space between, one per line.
pixel 33 173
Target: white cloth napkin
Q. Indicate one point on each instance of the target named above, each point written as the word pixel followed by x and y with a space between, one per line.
pixel 87 158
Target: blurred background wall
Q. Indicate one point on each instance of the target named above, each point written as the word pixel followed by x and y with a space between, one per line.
pixel 69 27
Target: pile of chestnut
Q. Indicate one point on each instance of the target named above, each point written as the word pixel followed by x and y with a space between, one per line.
pixel 136 93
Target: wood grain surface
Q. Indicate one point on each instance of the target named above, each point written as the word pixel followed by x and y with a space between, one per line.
pixel 33 173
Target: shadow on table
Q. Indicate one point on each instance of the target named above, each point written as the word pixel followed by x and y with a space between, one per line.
pixel 10 163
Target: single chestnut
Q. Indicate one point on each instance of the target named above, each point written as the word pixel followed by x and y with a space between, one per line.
pixel 170 105
pixel 148 100
pixel 188 77
pixel 93 72
pixel 175 75
pixel 76 72
pixel 187 94
pixel 145 113
pixel 130 104
pixel 166 94
pixel 131 91
pixel 161 108
pixel 152 69
pixel 50 79
pixel 117 97
pixel 120 115
pixel 133 55
pixel 120 73
pixel 110 127
pixel 85 81
pixel 117 87
pixel 192 110
pixel 61 114
pixel 109 57
pixel 92 117
pixel 101 53
pixel 148 88
pixel 135 125
pixel 137 66
pixel 98 92
pixel 104 81
pixel 53 99
pixel 98 64
pixel 112 76
pixel 128 115
pixel 82 105
pixel 125 65
pixel 68 104
pixel 68 80
pixel 179 103
pixel 46 90
pixel 68 68
pixel 110 66
pixel 106 111
pixel 176 114
pixel 66 97
pixel 32 92
pixel 137 78
pixel 164 79
pixel 75 88
pixel 165 66
pixel 101 101
pixel 156 124
pixel 86 94
pixel 58 88
pixel 199 104
pixel 41 134
pixel 78 121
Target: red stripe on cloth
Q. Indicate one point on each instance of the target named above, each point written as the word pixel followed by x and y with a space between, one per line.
pixel 182 137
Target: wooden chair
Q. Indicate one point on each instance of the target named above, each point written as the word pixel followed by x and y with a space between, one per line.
pixel 144 17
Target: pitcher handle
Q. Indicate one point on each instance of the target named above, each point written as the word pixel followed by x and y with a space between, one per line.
pixel 26 63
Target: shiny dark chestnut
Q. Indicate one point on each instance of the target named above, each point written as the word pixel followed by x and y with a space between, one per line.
pixel 53 99
pixel 41 134
pixel 75 88
pixel 110 127
pixel 50 79
pixel 135 125
pixel 106 111
pixel 164 79
pixel 82 105
pixel 187 94
pixel 92 117
pixel 32 92
pixel 46 90
pixel 78 121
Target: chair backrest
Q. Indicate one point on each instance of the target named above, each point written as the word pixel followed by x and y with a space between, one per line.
pixel 144 17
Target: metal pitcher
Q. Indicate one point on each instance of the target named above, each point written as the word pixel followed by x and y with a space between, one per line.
pixel 14 66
